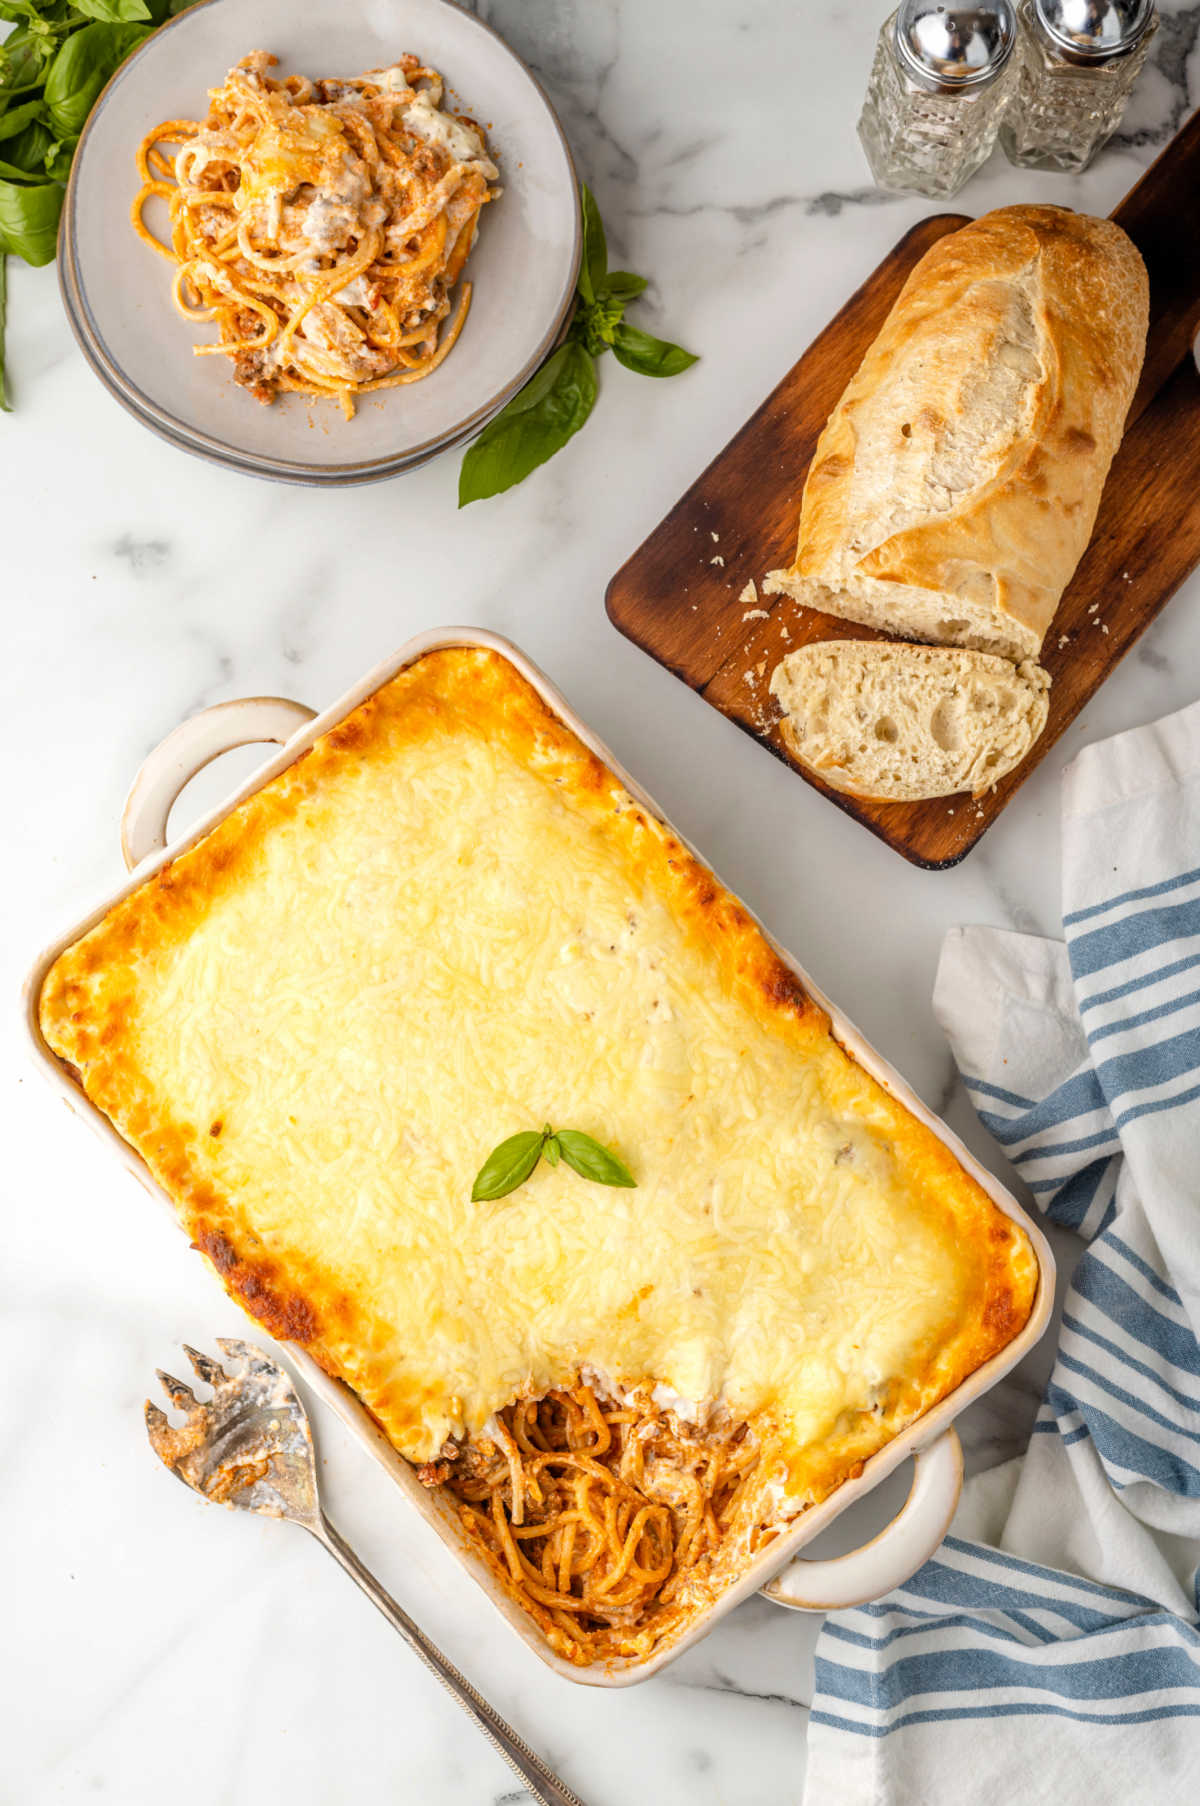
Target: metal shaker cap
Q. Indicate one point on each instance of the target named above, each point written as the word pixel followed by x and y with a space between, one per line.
pixel 1091 30
pixel 948 49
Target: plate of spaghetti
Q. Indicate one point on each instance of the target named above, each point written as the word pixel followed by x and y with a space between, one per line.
pixel 338 251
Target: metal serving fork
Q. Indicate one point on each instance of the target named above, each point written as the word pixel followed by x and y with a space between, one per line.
pixel 251 1447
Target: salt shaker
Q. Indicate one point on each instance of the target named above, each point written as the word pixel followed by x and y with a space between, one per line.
pixel 1076 62
pixel 939 86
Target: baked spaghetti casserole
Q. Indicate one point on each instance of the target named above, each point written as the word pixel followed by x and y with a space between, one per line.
pixel 448 921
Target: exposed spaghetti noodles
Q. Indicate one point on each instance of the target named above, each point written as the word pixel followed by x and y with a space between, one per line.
pixel 322 225
pixel 603 1518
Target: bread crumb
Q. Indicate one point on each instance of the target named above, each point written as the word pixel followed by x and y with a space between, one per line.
pixel 786 634
pixel 717 560
pixel 1064 639
pixel 756 614
pixel 1102 627
pixel 760 668
pixel 750 593
pixel 715 537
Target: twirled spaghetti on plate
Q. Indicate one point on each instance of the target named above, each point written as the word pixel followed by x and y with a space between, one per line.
pixel 322 225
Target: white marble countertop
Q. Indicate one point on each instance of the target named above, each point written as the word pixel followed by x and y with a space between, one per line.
pixel 158 1648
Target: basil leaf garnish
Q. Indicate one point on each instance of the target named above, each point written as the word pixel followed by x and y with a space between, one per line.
pixel 624 284
pixel 29 219
pixel 17 118
pixel 594 258
pixel 23 57
pixel 4 402
pixel 536 423
pixel 113 12
pixel 508 1166
pixel 649 356
pixel 82 66
pixel 514 1160
pixel 591 1160
pixel 554 404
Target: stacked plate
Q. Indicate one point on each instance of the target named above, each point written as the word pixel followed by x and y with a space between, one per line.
pixel 117 290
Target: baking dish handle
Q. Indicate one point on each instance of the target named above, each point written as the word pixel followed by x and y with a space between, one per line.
pixel 191 746
pixel 895 1554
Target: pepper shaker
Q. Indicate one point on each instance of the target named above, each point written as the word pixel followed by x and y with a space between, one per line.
pixel 1075 65
pixel 939 85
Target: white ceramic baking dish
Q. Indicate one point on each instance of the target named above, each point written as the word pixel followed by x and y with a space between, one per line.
pixel 866 1573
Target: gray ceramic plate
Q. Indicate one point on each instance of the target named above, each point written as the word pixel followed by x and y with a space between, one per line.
pixel 117 290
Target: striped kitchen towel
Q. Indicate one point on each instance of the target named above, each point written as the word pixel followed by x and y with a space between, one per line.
pixel 1051 1649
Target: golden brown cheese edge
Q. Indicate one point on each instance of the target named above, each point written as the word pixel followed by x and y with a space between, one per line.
pixel 89 993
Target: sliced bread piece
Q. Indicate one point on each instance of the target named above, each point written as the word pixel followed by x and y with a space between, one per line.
pixel 899 722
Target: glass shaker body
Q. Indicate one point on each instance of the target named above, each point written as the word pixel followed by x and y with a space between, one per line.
pixel 924 141
pixel 1065 109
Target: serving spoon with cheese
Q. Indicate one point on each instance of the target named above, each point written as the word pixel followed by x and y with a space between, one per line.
pixel 250 1447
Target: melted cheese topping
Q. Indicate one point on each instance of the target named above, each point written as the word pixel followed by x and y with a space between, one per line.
pixel 449 923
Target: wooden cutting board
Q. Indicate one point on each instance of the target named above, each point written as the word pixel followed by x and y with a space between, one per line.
pixel 682 596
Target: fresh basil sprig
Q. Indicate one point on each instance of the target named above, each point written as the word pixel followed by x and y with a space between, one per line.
pixel 3 312
pixel 510 1164
pixel 53 65
pixel 554 404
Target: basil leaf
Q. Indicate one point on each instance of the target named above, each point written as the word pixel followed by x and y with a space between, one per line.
pixel 16 119
pixel 24 178
pixel 83 65
pixel 13 10
pixel 624 284
pixel 551 1150
pixel 536 423
pixel 4 401
pixel 28 150
pixel 59 159
pixel 649 356
pixel 23 58
pixel 592 1161
pixel 29 220
pixel 594 260
pixel 115 12
pixel 508 1166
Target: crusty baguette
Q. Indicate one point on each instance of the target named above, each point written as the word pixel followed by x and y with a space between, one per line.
pixel 898 722
pixel 955 487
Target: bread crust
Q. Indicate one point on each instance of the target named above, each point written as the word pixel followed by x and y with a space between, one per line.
pixel 1014 539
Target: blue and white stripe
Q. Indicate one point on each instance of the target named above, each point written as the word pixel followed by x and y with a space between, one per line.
pixel 1081 1617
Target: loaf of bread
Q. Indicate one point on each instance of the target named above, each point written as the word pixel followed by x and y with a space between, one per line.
pixel 955 487
pixel 898 722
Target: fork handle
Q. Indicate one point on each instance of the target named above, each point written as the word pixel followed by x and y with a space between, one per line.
pixel 541 1782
